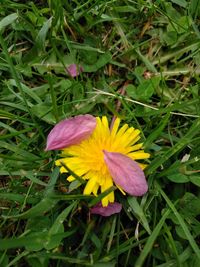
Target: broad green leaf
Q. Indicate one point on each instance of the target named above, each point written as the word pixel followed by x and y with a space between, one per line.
pixel 182 223
pixel 4 259
pixel 150 66
pixel 46 204
pixel 57 227
pixel 33 242
pixel 40 39
pixel 101 62
pixel 190 205
pixel 178 178
pixel 44 112
pixel 35 180
pixel 27 91
pixel 8 20
pixel 38 224
pixel 105 264
pixel 52 181
pixel 182 3
pixel 195 179
pixel 145 89
pixel 42 207
pixel 139 213
pixel 170 37
pixel 17 258
pixel 36 239
pixel 38 260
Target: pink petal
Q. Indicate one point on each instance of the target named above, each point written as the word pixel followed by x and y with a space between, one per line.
pixel 74 70
pixel 70 131
pixel 112 208
pixel 126 173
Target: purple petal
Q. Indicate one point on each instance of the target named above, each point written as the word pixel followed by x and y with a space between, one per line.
pixel 74 70
pixel 70 131
pixel 112 208
pixel 126 173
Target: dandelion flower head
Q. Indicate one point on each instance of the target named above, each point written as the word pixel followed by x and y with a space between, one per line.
pixel 105 157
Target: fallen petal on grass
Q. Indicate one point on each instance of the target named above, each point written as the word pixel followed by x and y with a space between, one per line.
pixel 111 209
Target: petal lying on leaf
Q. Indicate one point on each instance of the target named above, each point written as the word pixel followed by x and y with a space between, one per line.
pixel 126 173
pixel 74 70
pixel 70 132
pixel 112 208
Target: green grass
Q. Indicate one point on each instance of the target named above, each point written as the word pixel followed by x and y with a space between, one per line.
pixel 152 49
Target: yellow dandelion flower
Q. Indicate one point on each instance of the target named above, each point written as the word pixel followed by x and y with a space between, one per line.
pixel 101 156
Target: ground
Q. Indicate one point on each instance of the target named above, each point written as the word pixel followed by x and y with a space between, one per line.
pixel 138 61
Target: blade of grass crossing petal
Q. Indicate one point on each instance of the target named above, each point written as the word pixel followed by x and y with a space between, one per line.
pixel 81 180
pixel 101 196
pixel 150 242
pixel 194 129
pixel 181 221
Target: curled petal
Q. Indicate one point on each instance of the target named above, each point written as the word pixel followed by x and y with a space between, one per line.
pixel 112 208
pixel 74 70
pixel 70 132
pixel 126 173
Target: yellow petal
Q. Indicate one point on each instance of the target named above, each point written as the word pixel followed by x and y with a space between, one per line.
pixel 70 178
pixel 95 189
pixel 89 186
pixel 139 155
pixel 115 128
pixel 142 166
pixel 119 187
pixel 105 201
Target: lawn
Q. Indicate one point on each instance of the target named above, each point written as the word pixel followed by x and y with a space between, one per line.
pixel 137 61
